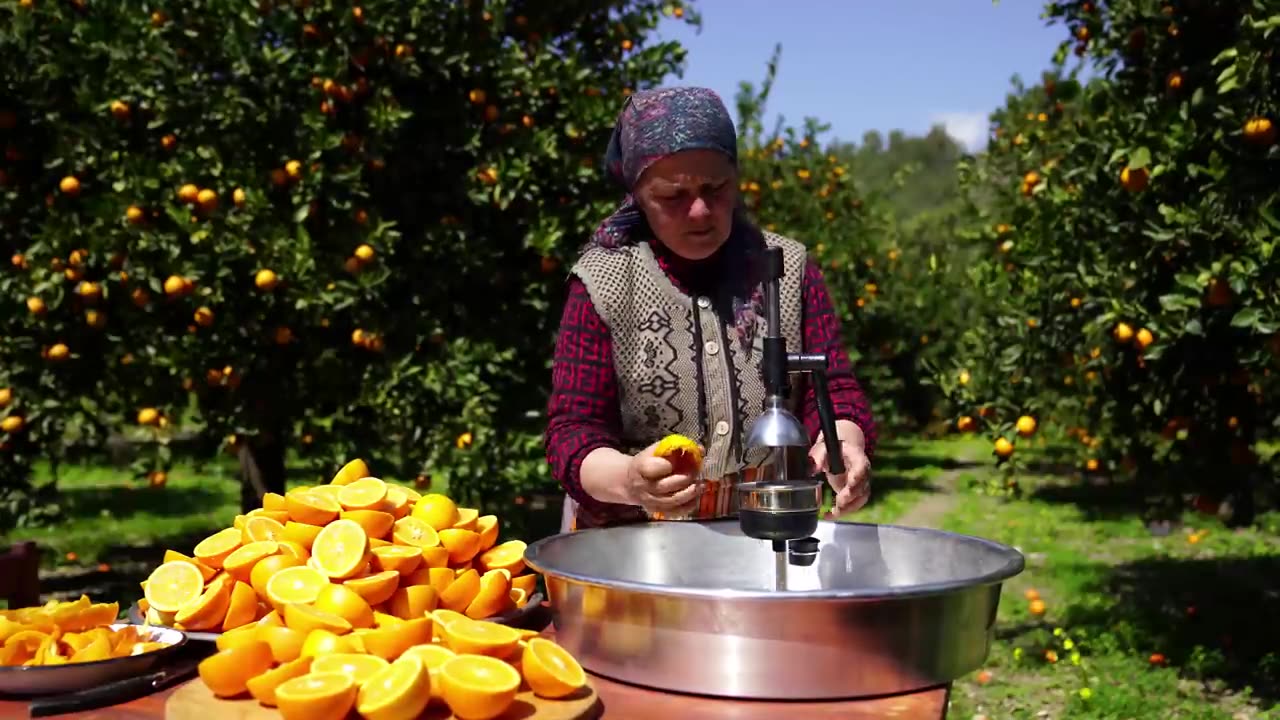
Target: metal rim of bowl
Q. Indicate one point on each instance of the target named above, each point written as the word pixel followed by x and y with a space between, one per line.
pixel 1015 563
pixel 36 669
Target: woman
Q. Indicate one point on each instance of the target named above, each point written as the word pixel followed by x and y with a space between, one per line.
pixel 661 331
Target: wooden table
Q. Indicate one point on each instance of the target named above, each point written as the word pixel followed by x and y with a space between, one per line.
pixel 620 701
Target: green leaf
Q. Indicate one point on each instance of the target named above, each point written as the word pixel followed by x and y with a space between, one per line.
pixel 1248 317
pixel 1139 158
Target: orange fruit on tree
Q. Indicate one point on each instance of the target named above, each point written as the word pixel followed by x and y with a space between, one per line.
pixel 228 672
pixel 1144 338
pixel 213 550
pixel 1123 332
pixel 508 556
pixel 263 687
pixel 1026 426
pixel 1003 448
pixel 478 687
pixel 438 511
pixel 1134 179
pixel 188 193
pixel 173 585
pixel 399 691
pixel 550 670
pixel 316 695
pixel 266 280
pixel 341 549
pixel 349 473
pixel 70 186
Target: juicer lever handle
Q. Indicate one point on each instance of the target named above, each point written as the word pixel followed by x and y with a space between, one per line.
pixel 827 419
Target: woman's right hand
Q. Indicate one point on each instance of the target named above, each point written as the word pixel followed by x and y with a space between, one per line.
pixel 652 485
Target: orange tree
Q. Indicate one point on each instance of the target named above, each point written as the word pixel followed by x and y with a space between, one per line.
pixel 891 279
pixel 324 226
pixel 1130 225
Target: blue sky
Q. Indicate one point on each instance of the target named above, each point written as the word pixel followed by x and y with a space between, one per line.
pixel 872 64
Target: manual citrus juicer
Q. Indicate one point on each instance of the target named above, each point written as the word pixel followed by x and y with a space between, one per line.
pixel 776 506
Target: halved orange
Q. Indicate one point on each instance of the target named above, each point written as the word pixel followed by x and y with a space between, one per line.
pixel 414 531
pixel 477 687
pixel 316 695
pixel 438 511
pixel 285 642
pixel 341 549
pixel 413 601
pixel 301 533
pixel 376 523
pixel 396 503
pixel 518 597
pixel 236 637
pixel 346 603
pixel 402 559
pixel 289 547
pixel 214 549
pixel 358 665
pixel 461 591
pixel 527 582
pixel 432 657
pixel 311 507
pixel 261 528
pixel 480 637
pixel 378 542
pixel 440 578
pixel 228 672
pixel 363 494
pixel 263 687
pixel 280 515
pixel 376 588
pixel 240 563
pixel 295 585
pixel 273 501
pixel 399 691
pixel 493 597
pixel 324 642
pixel 487 526
pixel 210 609
pixel 271 619
pixel 550 670
pixel 351 472
pixel 329 491
pixel 206 571
pixel 462 544
pixel 413 495
pixel 173 585
pixel 386 620
pixel 467 518
pixel 508 556
pixel 266 567
pixel 305 618
pixel 683 453
pixel 435 557
pixel 242 607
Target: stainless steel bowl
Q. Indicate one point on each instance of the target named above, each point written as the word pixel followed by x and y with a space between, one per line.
pixel 698 607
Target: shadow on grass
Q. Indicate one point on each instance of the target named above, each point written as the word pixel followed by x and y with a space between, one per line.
pixel 89 502
pixel 1097 500
pixel 905 457
pixel 1212 619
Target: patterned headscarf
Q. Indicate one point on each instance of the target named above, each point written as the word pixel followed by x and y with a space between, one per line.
pixel 652 125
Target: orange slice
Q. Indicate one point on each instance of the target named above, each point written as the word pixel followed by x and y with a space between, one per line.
pixel 329 491
pixel 443 617
pixel 263 687
pixel 280 515
pixel 305 618
pixel 478 688
pixel 378 542
pixel 527 582
pixel 295 585
pixel 400 691
pixel 274 502
pixel 240 563
pixel 271 619
pixel 376 523
pixel 210 609
pixel 289 547
pixel 285 642
pixel 341 549
pixel 242 607
pixel 324 642
pixel 214 549
pixel 358 666
pixel 205 570
pixel 415 532
pixel 351 472
pixel 265 568
pixel 462 544
pixel 396 503
pixel 173 585
pixel 402 559
pixel 301 533
pixel 346 603
pixel 261 528
pixel 494 596
pixel 436 510
pixel 467 519
pixel 461 591
pixel 413 601
pixel 384 620
pixel 363 494
pixel 316 695
pixel 683 453
pixel 487 526
pixel 479 637
pixel 435 557
pixel 440 578
pixel 432 657
pixel 508 556
pixel 311 507
pixel 550 670
pixel 228 672
pixel 376 588
pixel 518 597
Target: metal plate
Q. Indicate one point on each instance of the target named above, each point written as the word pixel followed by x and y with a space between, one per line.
pixel 699 607
pixel 56 679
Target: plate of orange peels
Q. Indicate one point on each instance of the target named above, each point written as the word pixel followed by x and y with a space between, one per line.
pixel 71 645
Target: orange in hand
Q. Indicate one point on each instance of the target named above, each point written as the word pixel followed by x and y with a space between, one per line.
pixel 683 453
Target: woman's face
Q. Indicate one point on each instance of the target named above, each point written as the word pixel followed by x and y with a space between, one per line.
pixel 689 198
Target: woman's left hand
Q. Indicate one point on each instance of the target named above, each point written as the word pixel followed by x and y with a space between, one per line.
pixel 853 487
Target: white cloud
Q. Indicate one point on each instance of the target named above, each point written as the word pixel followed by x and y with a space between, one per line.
pixel 969 129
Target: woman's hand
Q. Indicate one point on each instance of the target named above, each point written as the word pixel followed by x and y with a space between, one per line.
pixel 853 487
pixel 652 484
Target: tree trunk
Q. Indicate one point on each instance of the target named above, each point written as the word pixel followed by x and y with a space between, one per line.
pixel 261 468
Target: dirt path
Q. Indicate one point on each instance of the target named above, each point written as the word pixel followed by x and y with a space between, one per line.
pixel 929 512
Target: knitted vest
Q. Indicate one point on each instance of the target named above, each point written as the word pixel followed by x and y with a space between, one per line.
pixel 681 368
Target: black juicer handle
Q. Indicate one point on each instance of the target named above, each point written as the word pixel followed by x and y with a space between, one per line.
pixel 827 419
